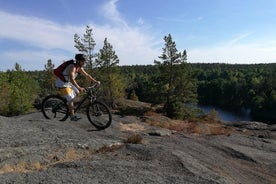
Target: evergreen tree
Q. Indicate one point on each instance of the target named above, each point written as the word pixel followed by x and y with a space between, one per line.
pixel 86 45
pixel 107 62
pixel 48 78
pixel 22 90
pixel 176 80
pixel 4 93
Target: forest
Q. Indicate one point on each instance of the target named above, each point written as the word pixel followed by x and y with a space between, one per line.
pixel 228 86
pixel 170 81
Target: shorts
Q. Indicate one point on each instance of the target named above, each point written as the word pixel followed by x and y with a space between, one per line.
pixel 69 92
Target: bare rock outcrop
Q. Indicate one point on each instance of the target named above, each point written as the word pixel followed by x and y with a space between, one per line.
pixel 36 150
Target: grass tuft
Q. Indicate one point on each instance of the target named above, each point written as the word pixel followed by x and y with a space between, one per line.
pixel 111 148
pixel 21 167
pixel 134 139
pixel 56 157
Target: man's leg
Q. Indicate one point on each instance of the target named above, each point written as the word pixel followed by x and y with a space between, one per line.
pixel 71 111
pixel 71 108
pixel 70 93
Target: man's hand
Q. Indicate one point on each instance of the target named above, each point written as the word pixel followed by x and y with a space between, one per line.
pixel 82 89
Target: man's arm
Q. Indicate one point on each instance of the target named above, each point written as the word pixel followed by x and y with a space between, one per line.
pixel 87 76
pixel 72 71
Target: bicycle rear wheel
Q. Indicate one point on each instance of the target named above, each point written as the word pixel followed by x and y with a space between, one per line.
pixel 99 115
pixel 55 107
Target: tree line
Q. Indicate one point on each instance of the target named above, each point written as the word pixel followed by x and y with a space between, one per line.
pixel 170 81
pixel 239 86
pixel 229 86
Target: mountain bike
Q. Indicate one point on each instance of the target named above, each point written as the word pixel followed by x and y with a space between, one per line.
pixel 98 114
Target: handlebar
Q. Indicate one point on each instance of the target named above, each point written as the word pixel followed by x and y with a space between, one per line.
pixel 96 85
pixel 92 88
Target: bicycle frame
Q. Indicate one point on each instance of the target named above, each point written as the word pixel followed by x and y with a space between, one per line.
pixel 89 96
pixel 79 104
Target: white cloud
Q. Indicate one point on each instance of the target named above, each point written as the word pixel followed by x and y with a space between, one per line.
pixel 178 20
pixel 28 59
pixel 110 11
pixel 242 54
pixel 34 31
pixel 238 38
pixel 130 44
pixel 140 21
pixel 54 41
pixel 200 18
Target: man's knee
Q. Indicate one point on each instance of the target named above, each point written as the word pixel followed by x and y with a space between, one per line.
pixel 70 103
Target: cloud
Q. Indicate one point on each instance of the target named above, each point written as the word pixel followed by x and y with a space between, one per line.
pixel 140 21
pixel 239 38
pixel 27 59
pixel 130 43
pixel 41 39
pixel 234 54
pixel 34 31
pixel 110 11
pixel 178 20
pixel 199 18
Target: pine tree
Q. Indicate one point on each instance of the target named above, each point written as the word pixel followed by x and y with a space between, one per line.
pixel 22 91
pixel 4 93
pixel 86 45
pixel 49 78
pixel 176 81
pixel 107 62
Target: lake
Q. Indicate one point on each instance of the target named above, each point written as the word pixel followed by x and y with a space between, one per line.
pixel 224 115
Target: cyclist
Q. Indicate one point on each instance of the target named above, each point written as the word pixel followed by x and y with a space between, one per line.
pixel 70 88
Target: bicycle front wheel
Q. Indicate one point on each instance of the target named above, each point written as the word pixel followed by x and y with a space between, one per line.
pixel 55 107
pixel 99 115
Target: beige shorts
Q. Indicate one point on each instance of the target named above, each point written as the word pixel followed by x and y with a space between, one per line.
pixel 69 92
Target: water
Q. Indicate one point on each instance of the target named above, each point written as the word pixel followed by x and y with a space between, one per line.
pixel 224 115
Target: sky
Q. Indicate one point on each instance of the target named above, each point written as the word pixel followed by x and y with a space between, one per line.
pixel 212 31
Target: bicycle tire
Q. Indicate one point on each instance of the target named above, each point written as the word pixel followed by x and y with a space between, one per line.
pixel 55 107
pixel 99 115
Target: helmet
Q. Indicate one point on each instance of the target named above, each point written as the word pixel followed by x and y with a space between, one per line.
pixel 80 57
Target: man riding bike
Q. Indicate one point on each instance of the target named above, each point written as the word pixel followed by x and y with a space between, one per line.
pixel 67 84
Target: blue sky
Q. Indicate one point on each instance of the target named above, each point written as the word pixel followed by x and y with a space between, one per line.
pixel 212 31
